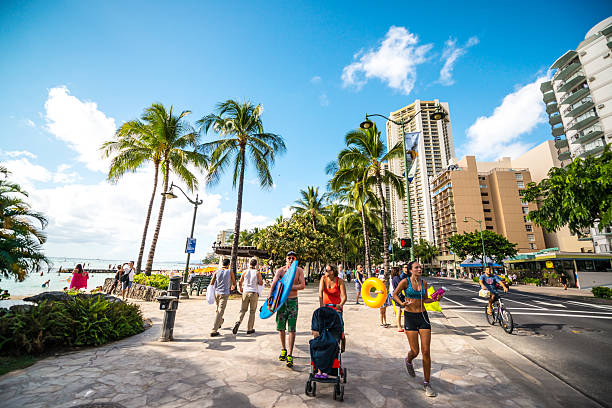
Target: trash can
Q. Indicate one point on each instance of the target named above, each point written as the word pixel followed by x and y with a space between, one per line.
pixel 174 286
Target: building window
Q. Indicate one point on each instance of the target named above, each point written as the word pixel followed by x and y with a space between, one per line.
pixel 485 202
pixel 532 246
pixel 521 192
pixel 520 184
pixel 529 228
pixel 488 219
pixel 525 219
pixel 525 210
pixel 489 227
pixel 483 186
pixel 530 237
pixel 484 194
pixel 487 210
pixel 518 176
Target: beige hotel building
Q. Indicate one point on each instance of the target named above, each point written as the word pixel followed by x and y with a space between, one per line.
pixel 486 191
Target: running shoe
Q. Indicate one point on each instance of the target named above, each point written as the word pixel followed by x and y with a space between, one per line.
pixel 215 334
pixel 283 355
pixel 235 329
pixel 429 391
pixel 290 361
pixel 410 368
pixel 250 331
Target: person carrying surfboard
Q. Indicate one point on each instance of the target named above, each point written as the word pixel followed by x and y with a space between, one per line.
pixel 286 315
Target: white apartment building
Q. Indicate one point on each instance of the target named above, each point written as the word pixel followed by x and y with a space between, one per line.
pixel 434 153
pixel 225 237
pixel 579 103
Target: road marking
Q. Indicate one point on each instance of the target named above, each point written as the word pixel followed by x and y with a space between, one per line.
pixel 550 304
pixel 451 300
pixel 523 303
pixel 590 304
pixel 541 314
pixel 480 300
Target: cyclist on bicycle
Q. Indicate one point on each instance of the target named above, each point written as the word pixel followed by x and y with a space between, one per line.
pixel 490 282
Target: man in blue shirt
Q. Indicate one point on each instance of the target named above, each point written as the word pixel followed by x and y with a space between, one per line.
pixel 489 282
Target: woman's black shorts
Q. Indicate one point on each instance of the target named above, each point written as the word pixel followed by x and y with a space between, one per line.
pixel 416 321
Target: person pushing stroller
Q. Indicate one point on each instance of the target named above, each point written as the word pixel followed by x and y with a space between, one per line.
pixel 332 293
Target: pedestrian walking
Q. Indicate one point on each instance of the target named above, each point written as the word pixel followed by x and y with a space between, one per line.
pixel 341 273
pixel 116 279
pixel 223 281
pixel 332 292
pixel 563 280
pixel 393 283
pixel 359 278
pixel 127 278
pixel 416 322
pixel 249 282
pixel 286 315
pixel 383 308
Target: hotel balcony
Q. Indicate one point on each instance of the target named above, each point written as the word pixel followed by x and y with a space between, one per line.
pixel 554 119
pixel 549 97
pixel 581 107
pixel 581 123
pixel 564 155
pixel 558 131
pixel 575 97
pixel 583 138
pixel 591 152
pixel 560 143
pixel 566 72
pixel 546 86
pixel 564 59
pixel 572 83
pixel 552 108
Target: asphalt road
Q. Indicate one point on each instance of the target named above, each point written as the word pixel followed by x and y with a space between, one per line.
pixel 570 339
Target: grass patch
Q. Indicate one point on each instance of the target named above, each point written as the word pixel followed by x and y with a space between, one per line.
pixel 11 363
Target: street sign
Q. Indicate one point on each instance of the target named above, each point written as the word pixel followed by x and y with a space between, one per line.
pixel 190 246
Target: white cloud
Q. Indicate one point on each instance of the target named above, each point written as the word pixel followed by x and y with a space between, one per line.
pixel 287 211
pixel 394 62
pixel 24 172
pixel 30 123
pixel 80 124
pixel 315 80
pixel 491 137
pixel 62 176
pixel 323 99
pixel 18 153
pixel 450 55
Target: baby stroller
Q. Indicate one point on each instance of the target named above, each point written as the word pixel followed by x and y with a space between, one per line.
pixel 325 352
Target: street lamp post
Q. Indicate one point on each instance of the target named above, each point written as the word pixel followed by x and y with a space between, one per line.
pixel 438 114
pixel 484 254
pixel 169 195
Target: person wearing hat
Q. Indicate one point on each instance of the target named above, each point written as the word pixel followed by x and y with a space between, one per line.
pixel 286 315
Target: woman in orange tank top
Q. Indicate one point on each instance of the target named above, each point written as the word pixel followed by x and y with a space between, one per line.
pixel 333 292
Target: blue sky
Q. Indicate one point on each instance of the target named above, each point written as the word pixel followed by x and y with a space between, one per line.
pixel 71 71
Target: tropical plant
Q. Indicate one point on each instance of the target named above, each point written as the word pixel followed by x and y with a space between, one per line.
pixel 154 280
pixel 425 251
pixel 311 204
pixel 578 195
pixel 241 139
pixel 21 238
pixel 470 244
pixel 365 149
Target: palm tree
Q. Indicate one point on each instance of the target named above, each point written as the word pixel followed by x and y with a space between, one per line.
pixel 242 137
pixel 425 251
pixel 20 238
pixel 312 205
pixel 175 138
pixel 135 144
pixel 366 149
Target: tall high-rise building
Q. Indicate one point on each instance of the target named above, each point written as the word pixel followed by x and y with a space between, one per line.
pixel 578 98
pixel 435 150
pixel 578 101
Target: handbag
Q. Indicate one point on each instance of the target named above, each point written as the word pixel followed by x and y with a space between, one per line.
pixel 210 294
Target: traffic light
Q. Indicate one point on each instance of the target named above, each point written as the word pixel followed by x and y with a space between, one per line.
pixel 405 243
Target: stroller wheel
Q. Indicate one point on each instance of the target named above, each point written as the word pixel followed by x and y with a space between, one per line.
pixel 344 371
pixel 308 389
pixel 314 389
pixel 338 392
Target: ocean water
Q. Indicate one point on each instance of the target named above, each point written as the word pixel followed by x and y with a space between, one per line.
pixel 32 285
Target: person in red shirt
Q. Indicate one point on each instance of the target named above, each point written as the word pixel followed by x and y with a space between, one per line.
pixel 332 291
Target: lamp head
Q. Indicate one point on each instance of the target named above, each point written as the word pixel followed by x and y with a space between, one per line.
pixel 366 124
pixel 169 194
pixel 438 114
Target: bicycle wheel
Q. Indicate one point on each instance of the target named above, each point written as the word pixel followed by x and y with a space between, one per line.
pixel 506 321
pixel 490 317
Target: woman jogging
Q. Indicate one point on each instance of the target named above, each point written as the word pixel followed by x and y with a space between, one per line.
pixel 416 321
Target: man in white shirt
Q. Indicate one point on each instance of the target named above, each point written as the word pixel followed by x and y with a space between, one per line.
pixel 127 278
pixel 249 281
pixel 341 274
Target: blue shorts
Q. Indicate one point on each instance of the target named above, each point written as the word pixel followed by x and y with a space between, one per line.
pixel 126 285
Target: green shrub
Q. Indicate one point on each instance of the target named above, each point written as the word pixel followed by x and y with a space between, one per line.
pixel 476 278
pixel 82 321
pixel 530 280
pixel 156 281
pixel 602 292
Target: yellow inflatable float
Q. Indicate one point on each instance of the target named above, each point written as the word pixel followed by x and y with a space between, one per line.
pixel 370 298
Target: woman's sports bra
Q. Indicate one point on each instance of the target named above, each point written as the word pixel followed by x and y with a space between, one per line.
pixel 414 294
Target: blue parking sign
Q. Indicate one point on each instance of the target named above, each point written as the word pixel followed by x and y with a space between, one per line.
pixel 190 246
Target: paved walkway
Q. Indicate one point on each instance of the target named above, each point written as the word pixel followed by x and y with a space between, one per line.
pixel 242 371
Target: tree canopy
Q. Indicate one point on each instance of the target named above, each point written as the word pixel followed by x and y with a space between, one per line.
pixel 467 244
pixel 578 195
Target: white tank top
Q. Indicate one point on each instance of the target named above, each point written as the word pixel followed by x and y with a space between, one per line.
pixel 250 281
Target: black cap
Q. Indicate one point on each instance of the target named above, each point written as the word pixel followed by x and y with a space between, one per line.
pixel 291 253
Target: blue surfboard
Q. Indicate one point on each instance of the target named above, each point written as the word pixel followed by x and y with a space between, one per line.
pixel 279 293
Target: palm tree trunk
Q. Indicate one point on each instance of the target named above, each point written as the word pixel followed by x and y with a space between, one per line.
pixel 366 244
pixel 383 214
pixel 149 266
pixel 238 212
pixel 146 225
